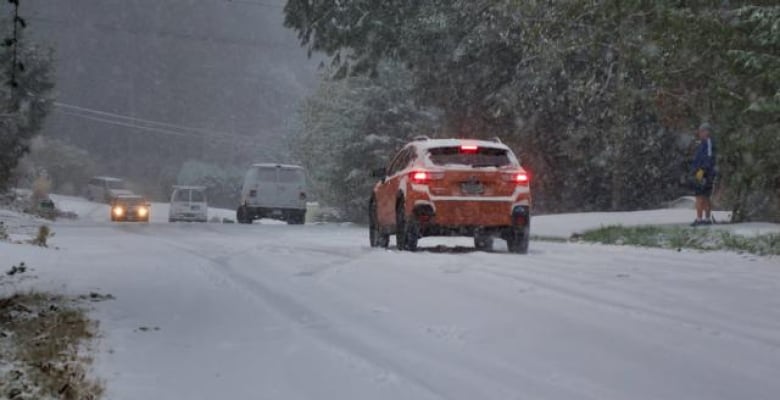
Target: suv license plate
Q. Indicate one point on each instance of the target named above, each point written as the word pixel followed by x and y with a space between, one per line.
pixel 276 212
pixel 472 188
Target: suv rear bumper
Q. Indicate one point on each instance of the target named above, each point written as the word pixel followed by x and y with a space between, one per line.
pixel 469 218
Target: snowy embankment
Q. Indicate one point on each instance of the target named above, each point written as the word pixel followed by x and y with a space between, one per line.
pixel 206 311
pixel 99 212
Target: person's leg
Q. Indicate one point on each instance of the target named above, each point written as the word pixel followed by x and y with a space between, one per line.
pixel 699 207
pixel 707 207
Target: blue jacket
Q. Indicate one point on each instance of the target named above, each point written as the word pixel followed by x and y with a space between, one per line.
pixel 704 158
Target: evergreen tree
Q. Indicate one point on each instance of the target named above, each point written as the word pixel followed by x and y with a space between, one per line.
pixel 25 85
pixel 351 126
pixel 600 98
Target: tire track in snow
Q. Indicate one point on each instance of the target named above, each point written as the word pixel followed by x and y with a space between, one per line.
pixel 389 357
pixel 709 327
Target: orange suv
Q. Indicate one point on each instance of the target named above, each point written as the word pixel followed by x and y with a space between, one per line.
pixel 451 187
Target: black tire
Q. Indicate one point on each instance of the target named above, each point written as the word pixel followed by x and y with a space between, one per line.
pixel 407 234
pixel 483 243
pixel 297 218
pixel 517 242
pixel 242 215
pixel 376 236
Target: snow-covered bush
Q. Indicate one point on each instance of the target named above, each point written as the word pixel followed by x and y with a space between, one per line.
pixel 25 85
pixel 353 125
pixel 223 184
pixel 67 167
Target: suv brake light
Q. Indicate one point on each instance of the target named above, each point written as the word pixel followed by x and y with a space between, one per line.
pixel 425 176
pixel 469 148
pixel 520 178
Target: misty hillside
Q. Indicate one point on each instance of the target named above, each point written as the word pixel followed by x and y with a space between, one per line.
pixel 226 75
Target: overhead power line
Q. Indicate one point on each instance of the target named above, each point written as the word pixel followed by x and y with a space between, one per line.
pixel 141 120
pixel 256 3
pixel 156 127
pixel 125 124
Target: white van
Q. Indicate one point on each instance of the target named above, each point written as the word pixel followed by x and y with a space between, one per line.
pixel 188 203
pixel 273 191
pixel 105 189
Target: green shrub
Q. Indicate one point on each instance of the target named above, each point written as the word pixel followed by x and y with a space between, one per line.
pixel 677 237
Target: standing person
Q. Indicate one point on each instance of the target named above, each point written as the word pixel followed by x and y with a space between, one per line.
pixel 704 173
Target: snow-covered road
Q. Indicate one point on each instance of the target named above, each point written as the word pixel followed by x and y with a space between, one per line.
pixel 271 311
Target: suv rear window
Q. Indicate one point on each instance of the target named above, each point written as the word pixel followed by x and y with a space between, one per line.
pixel 482 157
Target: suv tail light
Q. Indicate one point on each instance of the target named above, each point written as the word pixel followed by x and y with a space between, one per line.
pixel 519 178
pixel 425 176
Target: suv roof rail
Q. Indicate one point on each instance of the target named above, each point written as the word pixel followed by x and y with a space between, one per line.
pixel 496 139
pixel 421 138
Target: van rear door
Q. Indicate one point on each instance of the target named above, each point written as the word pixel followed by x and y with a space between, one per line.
pixel 262 187
pixel 291 185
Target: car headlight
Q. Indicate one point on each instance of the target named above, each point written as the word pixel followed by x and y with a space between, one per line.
pixel 143 211
pixel 118 211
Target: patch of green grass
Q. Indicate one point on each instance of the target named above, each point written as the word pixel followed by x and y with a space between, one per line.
pixel 676 237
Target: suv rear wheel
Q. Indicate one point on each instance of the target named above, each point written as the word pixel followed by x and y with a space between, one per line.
pixel 376 235
pixel 297 218
pixel 517 241
pixel 407 233
pixel 242 215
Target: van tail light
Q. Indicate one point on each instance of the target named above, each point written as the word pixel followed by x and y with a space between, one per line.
pixel 423 177
pixel 302 196
pixel 252 193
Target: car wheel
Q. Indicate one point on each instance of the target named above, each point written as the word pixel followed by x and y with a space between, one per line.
pixel 376 236
pixel 483 243
pixel 517 242
pixel 242 215
pixel 407 234
pixel 297 218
